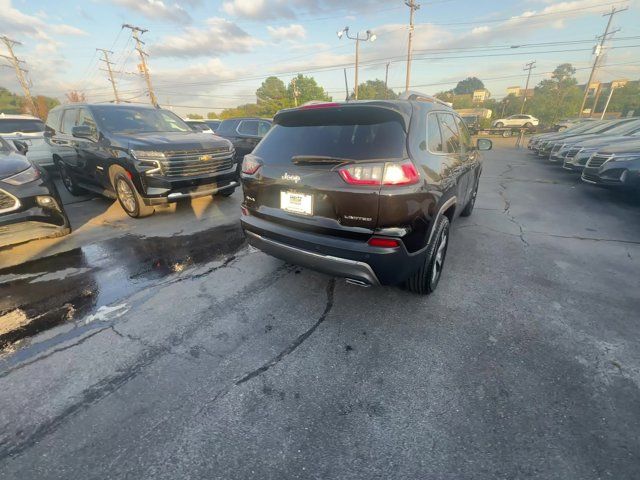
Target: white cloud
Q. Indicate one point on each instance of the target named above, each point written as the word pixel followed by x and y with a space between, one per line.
pixel 220 36
pixel 278 9
pixel 157 9
pixel 291 33
pixel 14 22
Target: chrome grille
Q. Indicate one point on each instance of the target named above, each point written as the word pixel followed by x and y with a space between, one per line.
pixel 191 163
pixel 8 202
pixel 573 152
pixel 556 147
pixel 596 161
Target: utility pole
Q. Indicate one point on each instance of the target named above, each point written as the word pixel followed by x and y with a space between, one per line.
pixel 346 85
pixel 135 33
pixel 386 81
pixel 296 92
pixel 598 52
pixel 413 6
pixel 369 37
pixel 529 66
pixel 106 60
pixel 31 105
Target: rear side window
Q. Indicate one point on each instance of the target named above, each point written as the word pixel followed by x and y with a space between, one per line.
pixel 357 141
pixel 434 136
pixel 53 119
pixel 69 118
pixel 27 125
pixel 248 127
pixel 227 127
pixel 85 118
pixel 263 128
pixel 450 134
pixel 465 136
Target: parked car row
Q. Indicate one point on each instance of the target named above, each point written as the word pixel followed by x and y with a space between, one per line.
pixel 605 152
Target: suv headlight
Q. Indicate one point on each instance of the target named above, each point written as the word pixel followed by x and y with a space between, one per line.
pixel 29 175
pixel 148 160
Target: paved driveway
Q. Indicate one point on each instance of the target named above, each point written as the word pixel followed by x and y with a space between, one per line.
pixel 524 364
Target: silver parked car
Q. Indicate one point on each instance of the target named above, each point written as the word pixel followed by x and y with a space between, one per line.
pixel 31 131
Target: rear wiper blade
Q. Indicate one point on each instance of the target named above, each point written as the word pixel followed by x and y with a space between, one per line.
pixel 320 160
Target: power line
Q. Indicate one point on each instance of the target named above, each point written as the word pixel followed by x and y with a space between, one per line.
pixel 20 73
pixel 135 32
pixel 598 52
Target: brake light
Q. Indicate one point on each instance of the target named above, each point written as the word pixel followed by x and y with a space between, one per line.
pixel 390 173
pixel 383 242
pixel 315 106
pixel 250 165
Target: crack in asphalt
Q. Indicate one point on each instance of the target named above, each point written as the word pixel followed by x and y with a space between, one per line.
pixel 25 439
pixel 298 341
pixel 512 218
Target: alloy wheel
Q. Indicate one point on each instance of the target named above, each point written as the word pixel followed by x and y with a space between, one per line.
pixel 438 262
pixel 126 195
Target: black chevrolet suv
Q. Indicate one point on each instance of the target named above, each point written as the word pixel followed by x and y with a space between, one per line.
pixel 141 155
pixel 364 190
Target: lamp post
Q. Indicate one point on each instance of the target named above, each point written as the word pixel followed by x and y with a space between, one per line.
pixel 369 37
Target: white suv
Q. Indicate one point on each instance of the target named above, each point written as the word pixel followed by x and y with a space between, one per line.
pixel 526 121
pixel 30 130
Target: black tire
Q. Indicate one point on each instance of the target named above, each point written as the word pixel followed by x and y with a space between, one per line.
pixel 499 125
pixel 468 209
pixel 128 197
pixel 528 125
pixel 506 133
pixel 68 180
pixel 425 280
pixel 225 193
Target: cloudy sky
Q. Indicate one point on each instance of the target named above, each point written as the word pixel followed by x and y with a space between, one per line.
pixel 206 55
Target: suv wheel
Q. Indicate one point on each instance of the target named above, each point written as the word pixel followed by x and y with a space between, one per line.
pixel 68 180
pixel 426 279
pixel 129 198
pixel 468 209
pixel 499 125
pixel 528 125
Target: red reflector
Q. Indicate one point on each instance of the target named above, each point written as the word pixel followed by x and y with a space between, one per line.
pixel 383 242
pixel 245 211
pixel 129 174
pixel 315 106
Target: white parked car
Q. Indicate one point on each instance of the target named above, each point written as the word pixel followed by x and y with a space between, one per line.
pixel 198 125
pixel 29 130
pixel 526 121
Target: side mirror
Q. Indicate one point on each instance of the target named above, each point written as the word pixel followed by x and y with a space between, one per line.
pixel 484 144
pixel 82 131
pixel 22 147
pixel 48 132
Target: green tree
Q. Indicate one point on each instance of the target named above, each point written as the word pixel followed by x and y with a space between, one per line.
pixel 246 110
pixel 194 116
pixel 556 97
pixel 468 86
pixel 375 90
pixel 625 99
pixel 212 115
pixel 272 96
pixel 307 89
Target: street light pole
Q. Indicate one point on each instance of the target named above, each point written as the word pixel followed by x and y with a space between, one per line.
pixel 369 37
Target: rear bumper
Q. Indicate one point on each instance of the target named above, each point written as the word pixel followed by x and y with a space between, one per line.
pixel 341 257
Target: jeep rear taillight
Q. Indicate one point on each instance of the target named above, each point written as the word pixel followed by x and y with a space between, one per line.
pixel 389 173
pixel 250 165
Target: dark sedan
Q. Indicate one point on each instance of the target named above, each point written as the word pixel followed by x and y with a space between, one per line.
pixel 615 166
pixel 30 206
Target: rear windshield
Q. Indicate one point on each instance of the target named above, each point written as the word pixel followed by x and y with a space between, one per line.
pixel 348 139
pixel 23 126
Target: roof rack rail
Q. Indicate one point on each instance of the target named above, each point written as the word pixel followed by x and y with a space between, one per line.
pixel 422 97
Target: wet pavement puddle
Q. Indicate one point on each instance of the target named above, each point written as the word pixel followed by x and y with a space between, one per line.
pixel 85 283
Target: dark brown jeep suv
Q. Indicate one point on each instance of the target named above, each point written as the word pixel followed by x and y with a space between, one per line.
pixel 364 190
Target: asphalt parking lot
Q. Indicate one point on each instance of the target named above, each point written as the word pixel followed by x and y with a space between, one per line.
pixel 166 348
